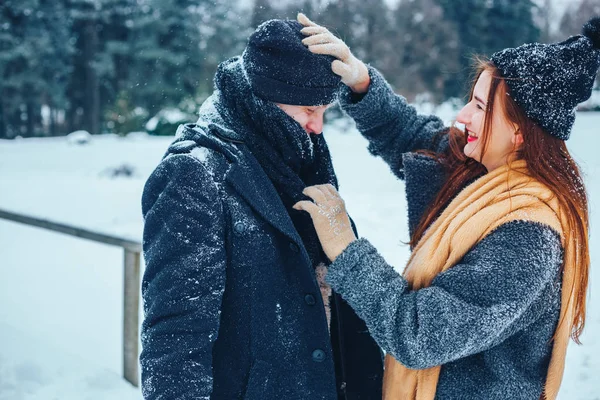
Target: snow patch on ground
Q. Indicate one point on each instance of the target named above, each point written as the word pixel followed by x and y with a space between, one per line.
pixel 33 369
pixel 170 115
pixel 79 137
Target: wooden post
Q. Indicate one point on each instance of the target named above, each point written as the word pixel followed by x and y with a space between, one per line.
pixel 131 279
pixel 131 303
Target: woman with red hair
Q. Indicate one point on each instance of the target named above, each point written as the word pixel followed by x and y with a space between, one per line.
pixel 498 217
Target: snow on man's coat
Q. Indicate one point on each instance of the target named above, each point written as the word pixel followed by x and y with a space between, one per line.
pixel 488 321
pixel 232 306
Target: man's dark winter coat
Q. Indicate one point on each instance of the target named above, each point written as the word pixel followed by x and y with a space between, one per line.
pixel 232 306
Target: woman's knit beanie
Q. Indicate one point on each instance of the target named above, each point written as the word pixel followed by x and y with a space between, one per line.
pixel 549 80
pixel 281 69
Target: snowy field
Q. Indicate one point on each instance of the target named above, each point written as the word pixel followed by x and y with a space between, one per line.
pixel 61 297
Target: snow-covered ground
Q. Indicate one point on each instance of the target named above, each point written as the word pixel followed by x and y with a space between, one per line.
pixel 61 297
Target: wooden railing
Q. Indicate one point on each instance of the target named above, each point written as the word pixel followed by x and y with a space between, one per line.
pixel 131 284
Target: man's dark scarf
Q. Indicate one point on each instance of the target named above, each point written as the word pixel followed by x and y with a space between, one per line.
pixel 291 158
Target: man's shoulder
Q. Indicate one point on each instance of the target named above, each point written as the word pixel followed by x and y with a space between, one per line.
pixel 204 134
pixel 195 158
pixel 201 145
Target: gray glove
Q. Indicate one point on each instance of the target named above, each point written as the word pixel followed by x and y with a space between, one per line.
pixel 354 73
pixel 328 213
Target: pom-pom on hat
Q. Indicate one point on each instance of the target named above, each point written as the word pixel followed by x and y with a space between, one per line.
pixel 549 80
pixel 281 69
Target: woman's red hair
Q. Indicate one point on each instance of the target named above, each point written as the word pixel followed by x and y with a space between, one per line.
pixel 548 161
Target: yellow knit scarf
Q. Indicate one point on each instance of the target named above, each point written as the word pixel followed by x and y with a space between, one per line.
pixel 506 194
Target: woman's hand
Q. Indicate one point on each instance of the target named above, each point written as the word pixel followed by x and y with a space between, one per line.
pixel 328 213
pixel 354 73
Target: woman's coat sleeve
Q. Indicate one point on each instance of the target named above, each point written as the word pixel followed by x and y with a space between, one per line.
pixel 469 308
pixel 391 125
pixel 184 279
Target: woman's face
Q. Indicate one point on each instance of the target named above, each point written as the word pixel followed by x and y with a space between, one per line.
pixel 504 135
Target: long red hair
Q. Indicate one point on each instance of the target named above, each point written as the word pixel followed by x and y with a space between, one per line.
pixel 548 161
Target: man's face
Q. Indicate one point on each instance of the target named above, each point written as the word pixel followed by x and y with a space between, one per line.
pixel 309 117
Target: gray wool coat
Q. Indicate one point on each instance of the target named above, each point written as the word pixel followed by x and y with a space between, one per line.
pixel 487 321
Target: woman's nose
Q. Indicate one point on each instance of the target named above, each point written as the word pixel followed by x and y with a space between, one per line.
pixel 463 116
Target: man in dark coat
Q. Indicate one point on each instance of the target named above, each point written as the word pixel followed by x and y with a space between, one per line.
pixel 234 300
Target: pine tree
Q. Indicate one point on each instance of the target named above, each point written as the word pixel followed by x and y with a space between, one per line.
pixel 56 65
pixel 427 58
pixel 225 29
pixel 510 23
pixel 168 60
pixel 15 56
pixel 341 18
pixel 118 19
pixel 486 26
pixel 89 66
pixel 575 16
pixel 33 63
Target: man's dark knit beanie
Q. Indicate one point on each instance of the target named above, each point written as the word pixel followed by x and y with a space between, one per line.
pixel 548 81
pixel 281 69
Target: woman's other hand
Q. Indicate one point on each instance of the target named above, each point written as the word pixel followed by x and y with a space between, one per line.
pixel 328 213
pixel 354 73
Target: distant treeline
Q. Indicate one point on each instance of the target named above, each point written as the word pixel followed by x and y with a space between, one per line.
pixel 110 65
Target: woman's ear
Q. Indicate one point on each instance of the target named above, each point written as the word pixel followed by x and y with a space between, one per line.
pixel 517 138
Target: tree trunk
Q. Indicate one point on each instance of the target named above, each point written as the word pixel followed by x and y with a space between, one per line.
pixel 53 121
pixel 3 133
pixel 30 124
pixel 91 102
